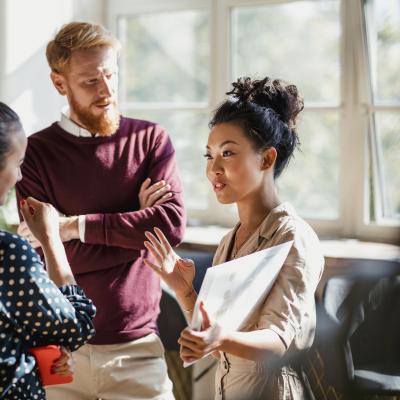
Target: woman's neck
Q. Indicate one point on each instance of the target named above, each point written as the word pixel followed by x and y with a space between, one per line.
pixel 254 209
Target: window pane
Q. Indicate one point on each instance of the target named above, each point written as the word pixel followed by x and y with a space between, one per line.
pixel 188 131
pixel 384 47
pixel 165 57
pixel 311 179
pixel 297 42
pixel 388 131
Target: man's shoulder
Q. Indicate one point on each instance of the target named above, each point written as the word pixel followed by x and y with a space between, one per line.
pixel 43 133
pixel 151 134
pixel 141 126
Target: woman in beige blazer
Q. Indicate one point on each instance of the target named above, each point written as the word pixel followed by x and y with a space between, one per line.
pixel 253 136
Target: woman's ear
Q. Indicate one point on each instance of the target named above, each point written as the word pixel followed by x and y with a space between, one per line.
pixel 268 158
pixel 59 82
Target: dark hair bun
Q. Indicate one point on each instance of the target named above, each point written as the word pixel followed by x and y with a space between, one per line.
pixel 276 94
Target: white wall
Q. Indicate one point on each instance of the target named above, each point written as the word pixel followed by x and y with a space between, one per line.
pixel 25 28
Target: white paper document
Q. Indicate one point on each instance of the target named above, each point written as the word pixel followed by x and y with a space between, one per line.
pixel 232 290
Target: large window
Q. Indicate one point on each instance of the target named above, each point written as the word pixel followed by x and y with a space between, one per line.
pixel 383 38
pixel 180 56
pixel 281 41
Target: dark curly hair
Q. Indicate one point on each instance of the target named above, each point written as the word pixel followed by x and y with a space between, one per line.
pixel 266 110
pixel 10 124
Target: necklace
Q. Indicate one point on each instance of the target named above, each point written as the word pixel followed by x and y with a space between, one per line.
pixel 236 247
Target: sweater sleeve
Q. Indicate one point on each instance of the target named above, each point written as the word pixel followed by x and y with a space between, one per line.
pixel 127 229
pixel 31 184
pixel 43 313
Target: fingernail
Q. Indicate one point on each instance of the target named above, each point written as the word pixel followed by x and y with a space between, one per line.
pixel 22 202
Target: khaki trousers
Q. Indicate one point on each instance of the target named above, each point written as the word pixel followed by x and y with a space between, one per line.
pixel 133 370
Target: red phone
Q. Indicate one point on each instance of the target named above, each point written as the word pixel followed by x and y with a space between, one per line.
pixel 45 357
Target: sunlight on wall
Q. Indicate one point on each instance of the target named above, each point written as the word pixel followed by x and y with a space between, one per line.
pixel 25 107
pixel 29 25
pixel 25 28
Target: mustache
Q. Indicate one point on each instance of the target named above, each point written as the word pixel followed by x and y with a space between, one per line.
pixel 105 102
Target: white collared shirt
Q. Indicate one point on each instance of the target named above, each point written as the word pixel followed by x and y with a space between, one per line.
pixel 72 127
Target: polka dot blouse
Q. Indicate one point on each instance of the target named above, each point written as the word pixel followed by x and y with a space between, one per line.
pixel 34 312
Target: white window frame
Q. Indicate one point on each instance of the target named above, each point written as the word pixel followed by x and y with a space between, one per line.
pixel 357 136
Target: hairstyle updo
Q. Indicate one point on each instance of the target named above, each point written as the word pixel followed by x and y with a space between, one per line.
pixel 10 125
pixel 267 111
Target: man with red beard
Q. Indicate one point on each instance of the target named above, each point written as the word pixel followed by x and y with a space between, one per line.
pixel 113 178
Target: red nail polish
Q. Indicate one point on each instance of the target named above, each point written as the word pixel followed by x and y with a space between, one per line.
pixel 22 202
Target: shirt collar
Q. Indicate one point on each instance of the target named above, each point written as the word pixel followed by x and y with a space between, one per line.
pixel 273 220
pixel 266 229
pixel 71 127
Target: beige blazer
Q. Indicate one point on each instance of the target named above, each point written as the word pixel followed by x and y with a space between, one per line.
pixel 288 309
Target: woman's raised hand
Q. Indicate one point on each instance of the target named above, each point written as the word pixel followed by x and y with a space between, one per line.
pixel 41 219
pixel 176 272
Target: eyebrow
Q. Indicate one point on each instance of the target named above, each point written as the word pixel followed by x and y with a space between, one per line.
pixel 94 74
pixel 226 142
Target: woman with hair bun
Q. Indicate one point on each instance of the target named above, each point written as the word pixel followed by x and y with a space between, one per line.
pixel 253 136
pixel 37 308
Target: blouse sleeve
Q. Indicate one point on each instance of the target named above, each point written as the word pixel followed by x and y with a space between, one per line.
pixel 289 309
pixel 43 313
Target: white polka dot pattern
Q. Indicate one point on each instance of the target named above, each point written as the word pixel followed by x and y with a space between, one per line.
pixel 34 312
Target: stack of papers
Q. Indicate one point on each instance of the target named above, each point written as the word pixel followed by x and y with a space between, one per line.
pixel 232 290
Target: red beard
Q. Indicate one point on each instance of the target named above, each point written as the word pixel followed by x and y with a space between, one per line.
pixel 105 124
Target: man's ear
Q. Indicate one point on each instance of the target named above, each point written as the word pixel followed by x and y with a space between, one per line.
pixel 59 82
pixel 268 158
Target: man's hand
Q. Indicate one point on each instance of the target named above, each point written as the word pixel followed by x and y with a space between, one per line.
pixel 152 195
pixel 26 233
pixel 69 228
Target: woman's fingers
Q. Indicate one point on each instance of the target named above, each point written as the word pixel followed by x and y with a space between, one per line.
pixel 33 202
pixel 195 347
pixel 192 339
pixel 156 243
pixel 188 355
pixel 159 258
pixel 154 267
pixel 206 319
pixel 161 237
pixel 24 208
pixel 64 365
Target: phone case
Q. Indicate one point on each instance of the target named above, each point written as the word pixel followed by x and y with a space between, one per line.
pixel 45 357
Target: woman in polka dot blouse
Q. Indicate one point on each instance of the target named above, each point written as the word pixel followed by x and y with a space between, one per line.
pixel 36 307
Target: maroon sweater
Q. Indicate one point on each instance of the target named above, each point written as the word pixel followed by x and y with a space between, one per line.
pixel 100 177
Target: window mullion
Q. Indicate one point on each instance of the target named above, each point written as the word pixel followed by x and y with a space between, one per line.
pixel 351 171
pixel 370 84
